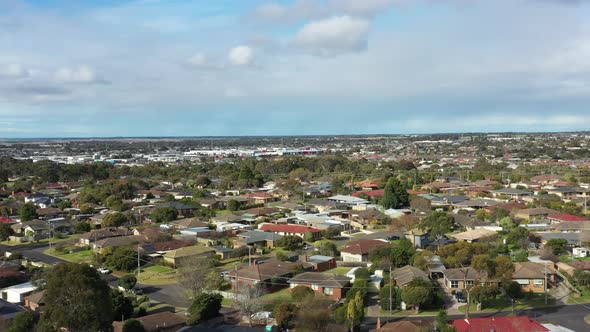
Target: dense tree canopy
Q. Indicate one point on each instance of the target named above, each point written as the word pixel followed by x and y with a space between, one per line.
pixel 76 298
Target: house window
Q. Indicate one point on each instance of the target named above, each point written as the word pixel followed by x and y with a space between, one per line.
pixel 454 283
pixel 315 287
pixel 469 282
pixel 328 291
pixel 538 282
pixel 292 286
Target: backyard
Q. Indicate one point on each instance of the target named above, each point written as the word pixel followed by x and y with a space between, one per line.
pixel 158 275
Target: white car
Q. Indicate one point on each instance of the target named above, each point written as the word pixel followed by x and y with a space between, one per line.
pixel 103 270
pixel 261 316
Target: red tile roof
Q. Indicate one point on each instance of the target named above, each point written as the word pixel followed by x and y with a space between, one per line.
pixel 6 220
pixel 362 246
pixel 297 229
pixel 566 217
pixel 370 193
pixel 499 324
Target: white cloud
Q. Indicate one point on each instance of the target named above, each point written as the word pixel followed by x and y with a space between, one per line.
pixel 335 35
pixel 82 74
pixel 241 55
pixel 14 70
pixel 198 60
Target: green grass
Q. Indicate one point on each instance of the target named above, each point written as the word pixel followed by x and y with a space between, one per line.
pixel 158 275
pixel 85 256
pixel 585 298
pixel 500 304
pixel 229 263
pixel 339 271
pixel 568 258
pixel 226 302
pixel 284 295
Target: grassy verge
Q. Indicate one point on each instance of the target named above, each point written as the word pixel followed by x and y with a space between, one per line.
pixel 584 298
pixel 407 313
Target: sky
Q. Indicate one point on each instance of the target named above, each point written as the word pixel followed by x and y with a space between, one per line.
pixel 295 67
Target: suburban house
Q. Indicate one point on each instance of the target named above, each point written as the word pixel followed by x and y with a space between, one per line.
pixel 178 256
pixel 259 198
pixel 405 326
pixel 348 200
pixel 49 213
pixel 580 252
pixel 362 218
pixel 164 321
pixel 182 209
pixel 418 237
pixel 474 235
pixel 188 223
pixel 514 194
pixel 534 214
pixel 328 284
pixel 499 324
pixel 405 275
pixel 264 272
pixel 564 217
pixel 289 229
pixel 35 301
pixel 16 294
pixel 99 234
pixel 257 239
pixel 358 251
pixel 116 242
pixel 459 278
pixel 320 263
pixel 31 230
pixel 531 276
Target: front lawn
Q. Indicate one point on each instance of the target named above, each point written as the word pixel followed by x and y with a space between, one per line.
pixel 158 275
pixel 269 301
pixel 500 303
pixel 53 241
pixel 83 256
pixel 339 271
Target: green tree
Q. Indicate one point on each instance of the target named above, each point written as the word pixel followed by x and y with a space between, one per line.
pixel 326 248
pixel 290 242
pixel 300 293
pixel 309 236
pixel 114 220
pixel 417 293
pixel 204 307
pixel 514 291
pixel 438 223
pixel 5 231
pixel 557 246
pixel 312 315
pixel 384 296
pixel 284 312
pixel 233 205
pixel 133 325
pixel 507 224
pixel 122 306
pixel 122 259
pixel 519 237
pixel 479 293
pixel 127 281
pixel 355 312
pixel 395 195
pixel 27 212
pixel 82 227
pixel 22 322
pixel 77 299
pixel 164 214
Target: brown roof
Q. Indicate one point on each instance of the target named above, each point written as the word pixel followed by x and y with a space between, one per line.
pixel 459 274
pixel 531 270
pixel 362 246
pixel 162 319
pixel 404 275
pixel 48 211
pixel 36 297
pixel 320 279
pixel 269 269
pixel 404 326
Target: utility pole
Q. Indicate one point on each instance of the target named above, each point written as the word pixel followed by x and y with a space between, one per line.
pixel 390 286
pixel 138 264
pixel 466 291
pixel 545 282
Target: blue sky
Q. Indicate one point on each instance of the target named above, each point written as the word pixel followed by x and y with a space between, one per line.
pixel 249 67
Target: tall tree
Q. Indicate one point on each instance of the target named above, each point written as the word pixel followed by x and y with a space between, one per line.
pixel 27 212
pixel 438 223
pixel 395 195
pixel 204 307
pixel 77 299
pixel 133 325
pixel 355 311
pixel 312 315
pixel 22 322
pixel 122 306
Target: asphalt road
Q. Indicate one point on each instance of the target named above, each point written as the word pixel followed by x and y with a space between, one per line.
pixel 569 316
pixel 34 252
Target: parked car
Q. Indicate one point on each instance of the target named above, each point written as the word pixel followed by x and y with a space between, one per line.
pixel 392 237
pixel 103 270
pixel 460 297
pixel 261 317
